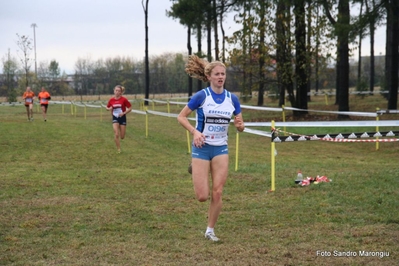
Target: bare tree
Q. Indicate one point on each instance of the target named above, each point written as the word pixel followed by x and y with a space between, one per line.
pixel 25 45
pixel 83 71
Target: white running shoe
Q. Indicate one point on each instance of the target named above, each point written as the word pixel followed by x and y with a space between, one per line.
pixel 211 236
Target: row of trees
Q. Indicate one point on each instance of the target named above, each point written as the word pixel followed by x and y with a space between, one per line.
pixel 295 37
pixel 287 46
pixel 98 77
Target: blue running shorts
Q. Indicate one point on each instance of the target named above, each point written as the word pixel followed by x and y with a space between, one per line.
pixel 208 152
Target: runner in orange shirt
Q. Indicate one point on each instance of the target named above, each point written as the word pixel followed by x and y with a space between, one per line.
pixel 44 98
pixel 28 97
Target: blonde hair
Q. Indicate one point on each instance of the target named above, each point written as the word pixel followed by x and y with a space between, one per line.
pixel 120 87
pixel 199 68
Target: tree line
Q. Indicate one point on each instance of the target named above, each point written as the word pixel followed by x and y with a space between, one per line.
pixel 295 38
pixel 287 47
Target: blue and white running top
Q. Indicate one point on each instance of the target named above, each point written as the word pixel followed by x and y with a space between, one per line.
pixel 214 113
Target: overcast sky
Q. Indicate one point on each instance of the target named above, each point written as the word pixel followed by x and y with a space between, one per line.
pixel 71 29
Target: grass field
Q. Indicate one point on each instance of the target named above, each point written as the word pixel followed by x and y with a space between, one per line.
pixel 67 197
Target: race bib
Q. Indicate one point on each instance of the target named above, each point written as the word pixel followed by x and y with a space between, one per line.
pixel 28 100
pixel 116 112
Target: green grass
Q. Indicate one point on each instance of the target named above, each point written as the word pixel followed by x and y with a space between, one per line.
pixel 67 198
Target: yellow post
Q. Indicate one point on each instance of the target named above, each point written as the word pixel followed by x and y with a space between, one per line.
pixel 377 144
pixel 168 107
pixel 326 98
pixel 237 143
pixel 188 142
pixel 273 167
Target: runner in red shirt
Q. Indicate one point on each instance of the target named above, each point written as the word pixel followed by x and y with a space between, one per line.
pixel 28 97
pixel 119 106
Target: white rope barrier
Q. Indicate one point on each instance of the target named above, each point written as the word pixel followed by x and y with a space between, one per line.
pixel 165 102
pixel 78 104
pixel 93 106
pixel 60 102
pixel 272 109
pixel 329 93
pixel 260 108
pixel 12 104
pixel 280 109
pixel 363 123
pixel 258 132
pixel 366 114
pixel 139 112
pixel 388 112
pixel 162 113
pixel 178 103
